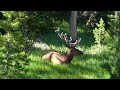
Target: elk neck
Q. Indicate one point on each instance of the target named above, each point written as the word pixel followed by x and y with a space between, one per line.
pixel 69 52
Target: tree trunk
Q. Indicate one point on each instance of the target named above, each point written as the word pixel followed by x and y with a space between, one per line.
pixel 72 25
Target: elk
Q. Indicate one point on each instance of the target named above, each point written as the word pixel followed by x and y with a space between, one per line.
pixel 57 58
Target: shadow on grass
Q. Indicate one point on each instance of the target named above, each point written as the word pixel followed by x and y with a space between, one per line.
pixel 107 67
pixel 86 57
pixel 51 38
pixel 87 40
pixel 37 51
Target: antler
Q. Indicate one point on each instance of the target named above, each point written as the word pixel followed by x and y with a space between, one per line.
pixel 75 43
pixel 64 37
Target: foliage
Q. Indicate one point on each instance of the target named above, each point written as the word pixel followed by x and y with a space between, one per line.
pixel 100 34
pixel 14 56
pixel 115 42
pixel 104 15
pixel 2 17
pixel 41 22
pixel 90 18
pixel 22 29
pixel 2 31
pixel 110 38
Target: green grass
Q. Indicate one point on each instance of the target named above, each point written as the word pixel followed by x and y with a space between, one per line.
pixel 82 67
pixel 90 65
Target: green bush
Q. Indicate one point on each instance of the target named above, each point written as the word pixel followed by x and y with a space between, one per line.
pixel 14 56
pixel 100 34
pixel 110 38
pixel 115 41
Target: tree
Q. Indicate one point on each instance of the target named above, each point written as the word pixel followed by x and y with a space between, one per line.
pixel 72 25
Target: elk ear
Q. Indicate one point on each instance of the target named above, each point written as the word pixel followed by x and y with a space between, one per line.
pixel 67 46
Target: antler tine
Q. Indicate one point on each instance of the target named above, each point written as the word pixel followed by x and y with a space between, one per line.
pixel 59 34
pixel 75 43
pixel 62 35
pixel 70 39
pixel 65 38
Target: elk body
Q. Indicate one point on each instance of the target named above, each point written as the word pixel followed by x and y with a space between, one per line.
pixel 57 58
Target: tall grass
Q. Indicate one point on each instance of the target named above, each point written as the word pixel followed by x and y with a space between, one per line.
pixel 90 65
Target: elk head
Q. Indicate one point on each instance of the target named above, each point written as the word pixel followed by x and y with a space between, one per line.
pixel 68 43
pixel 57 58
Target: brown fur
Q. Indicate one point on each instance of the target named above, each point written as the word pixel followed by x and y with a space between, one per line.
pixel 57 58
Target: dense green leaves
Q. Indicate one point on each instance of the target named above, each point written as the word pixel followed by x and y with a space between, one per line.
pixel 14 57
pixel 99 32
pixel 115 43
pixel 100 35
pixel 110 38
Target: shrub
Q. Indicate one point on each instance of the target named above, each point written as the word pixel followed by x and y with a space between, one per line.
pixel 14 56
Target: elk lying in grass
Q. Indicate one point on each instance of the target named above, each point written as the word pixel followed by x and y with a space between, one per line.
pixel 57 58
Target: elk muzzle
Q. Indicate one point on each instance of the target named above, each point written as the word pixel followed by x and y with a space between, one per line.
pixel 76 52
